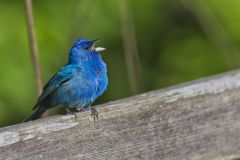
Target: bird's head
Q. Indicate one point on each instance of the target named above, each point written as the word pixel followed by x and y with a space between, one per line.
pixel 82 48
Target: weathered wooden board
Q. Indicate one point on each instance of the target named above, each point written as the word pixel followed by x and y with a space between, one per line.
pixel 199 120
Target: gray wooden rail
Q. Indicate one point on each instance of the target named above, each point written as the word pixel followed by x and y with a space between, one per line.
pixel 199 120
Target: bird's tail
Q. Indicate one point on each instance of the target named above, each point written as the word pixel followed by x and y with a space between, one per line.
pixel 36 114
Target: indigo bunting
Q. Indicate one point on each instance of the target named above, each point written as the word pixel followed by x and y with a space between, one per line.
pixel 77 84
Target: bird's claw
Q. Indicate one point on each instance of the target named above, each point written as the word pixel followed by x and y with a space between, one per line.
pixel 94 114
pixel 75 115
pixel 72 113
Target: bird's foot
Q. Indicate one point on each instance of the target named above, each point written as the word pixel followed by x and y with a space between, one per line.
pixel 94 113
pixel 72 113
pixel 75 115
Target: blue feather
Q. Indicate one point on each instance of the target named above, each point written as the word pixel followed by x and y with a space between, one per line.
pixel 77 84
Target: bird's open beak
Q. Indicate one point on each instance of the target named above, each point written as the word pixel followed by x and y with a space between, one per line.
pixel 97 49
pixel 96 40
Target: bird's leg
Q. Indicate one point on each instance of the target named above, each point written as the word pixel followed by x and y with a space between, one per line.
pixel 94 113
pixel 71 112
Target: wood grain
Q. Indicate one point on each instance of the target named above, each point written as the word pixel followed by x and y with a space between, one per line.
pixel 199 120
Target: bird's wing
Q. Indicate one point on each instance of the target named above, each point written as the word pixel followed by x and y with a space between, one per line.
pixel 64 75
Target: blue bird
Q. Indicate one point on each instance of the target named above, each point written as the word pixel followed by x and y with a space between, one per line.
pixel 77 85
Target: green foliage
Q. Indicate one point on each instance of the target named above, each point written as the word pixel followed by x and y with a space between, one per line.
pixel 173 44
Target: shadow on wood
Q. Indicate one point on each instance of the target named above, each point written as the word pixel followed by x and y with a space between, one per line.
pixel 192 121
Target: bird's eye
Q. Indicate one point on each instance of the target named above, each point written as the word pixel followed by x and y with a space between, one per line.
pixel 87 48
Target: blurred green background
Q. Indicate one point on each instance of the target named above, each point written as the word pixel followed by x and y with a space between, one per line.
pixel 150 44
